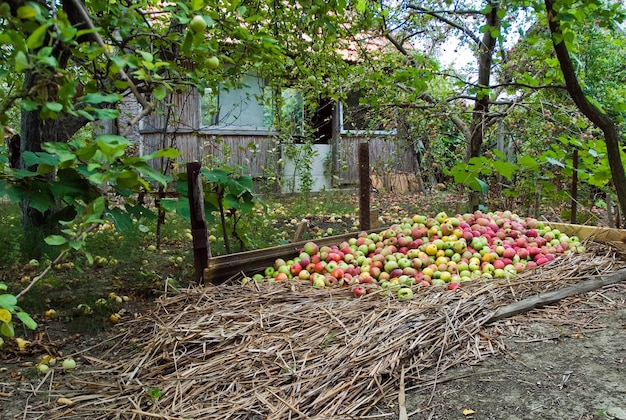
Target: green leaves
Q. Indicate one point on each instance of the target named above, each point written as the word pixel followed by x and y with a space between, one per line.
pixel 26 320
pixel 472 174
pixel 36 158
pixel 8 307
pixel 112 145
pixel 8 301
pixel 21 62
pixel 28 11
pixel 99 98
pixel 55 240
pixel 468 175
pixel 36 38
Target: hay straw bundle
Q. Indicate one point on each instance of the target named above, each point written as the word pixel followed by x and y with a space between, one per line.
pixel 288 350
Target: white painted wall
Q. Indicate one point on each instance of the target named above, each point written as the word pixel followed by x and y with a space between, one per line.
pixel 291 179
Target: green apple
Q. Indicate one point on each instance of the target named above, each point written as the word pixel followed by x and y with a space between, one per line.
pixel 68 364
pixel 390 266
pixel 212 63
pixel 311 248
pixel 405 293
pixel 441 217
pixel 197 24
pixel 319 280
pixel 446 276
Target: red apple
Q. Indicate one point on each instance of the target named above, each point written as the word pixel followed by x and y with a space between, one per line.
pixel 454 286
pixel 319 267
pixel 311 248
pixel 295 269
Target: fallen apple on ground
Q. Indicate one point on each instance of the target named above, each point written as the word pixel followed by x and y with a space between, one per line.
pixel 426 251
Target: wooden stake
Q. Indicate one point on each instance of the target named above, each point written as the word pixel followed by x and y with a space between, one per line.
pixel 300 231
pixel 365 186
pixel 201 248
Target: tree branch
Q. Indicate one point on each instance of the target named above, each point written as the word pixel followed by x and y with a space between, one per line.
pixel 87 20
pixel 439 16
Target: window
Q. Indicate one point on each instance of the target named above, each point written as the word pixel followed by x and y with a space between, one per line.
pixel 247 105
pixel 250 106
pixel 357 118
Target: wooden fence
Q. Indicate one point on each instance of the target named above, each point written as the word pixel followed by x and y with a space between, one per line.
pixel 261 153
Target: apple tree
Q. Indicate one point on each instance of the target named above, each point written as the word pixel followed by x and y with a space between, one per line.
pixel 562 19
pixel 514 82
pixel 66 65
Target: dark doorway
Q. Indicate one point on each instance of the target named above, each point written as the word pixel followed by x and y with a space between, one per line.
pixel 322 121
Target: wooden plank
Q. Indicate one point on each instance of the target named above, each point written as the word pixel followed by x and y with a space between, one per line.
pixel 220 269
pixel 543 299
pixel 374 214
pixel 615 237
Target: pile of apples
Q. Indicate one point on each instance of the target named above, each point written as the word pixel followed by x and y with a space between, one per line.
pixel 427 251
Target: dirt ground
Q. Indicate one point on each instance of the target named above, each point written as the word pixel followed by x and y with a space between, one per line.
pixel 561 362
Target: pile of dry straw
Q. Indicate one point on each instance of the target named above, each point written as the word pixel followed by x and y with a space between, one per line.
pixel 288 350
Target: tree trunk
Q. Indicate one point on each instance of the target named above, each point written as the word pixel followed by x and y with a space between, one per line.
pixel 35 131
pixel 481 104
pixel 593 113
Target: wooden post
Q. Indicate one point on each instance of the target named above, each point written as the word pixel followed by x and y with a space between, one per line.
pixel 201 248
pixel 374 213
pixel 365 186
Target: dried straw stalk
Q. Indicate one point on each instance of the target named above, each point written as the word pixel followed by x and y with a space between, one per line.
pixel 288 350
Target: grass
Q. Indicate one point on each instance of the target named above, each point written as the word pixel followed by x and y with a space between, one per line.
pixel 127 263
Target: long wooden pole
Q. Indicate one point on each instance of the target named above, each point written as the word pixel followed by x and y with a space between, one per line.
pixel 547 298
pixel 198 224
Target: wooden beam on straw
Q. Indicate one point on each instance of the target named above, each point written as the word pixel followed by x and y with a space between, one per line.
pixel 556 295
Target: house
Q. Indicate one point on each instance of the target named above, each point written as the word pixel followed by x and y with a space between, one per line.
pixel 235 126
